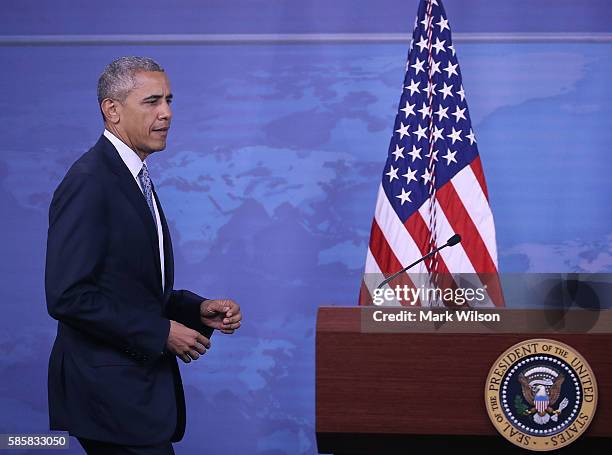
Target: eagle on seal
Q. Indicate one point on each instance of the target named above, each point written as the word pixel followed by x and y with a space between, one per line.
pixel 542 393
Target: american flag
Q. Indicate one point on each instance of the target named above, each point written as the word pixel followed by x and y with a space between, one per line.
pixel 433 183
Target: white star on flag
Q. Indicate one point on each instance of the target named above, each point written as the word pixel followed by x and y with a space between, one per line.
pixel 405 196
pixel 443 24
pixel 439 46
pixel 418 66
pixel 392 173
pixel 441 113
pixel 410 175
pixel 461 93
pixel 424 110
pixel 455 136
pixel 422 44
pixel 431 89
pixel 413 87
pixel 435 68
pixel 433 155
pixel 437 133
pixel 426 176
pixel 403 130
pixel 451 69
pixel 450 156
pixel 408 110
pixel 471 137
pixel 399 152
pixel 421 133
pixel 459 114
pixel 446 90
pixel 415 153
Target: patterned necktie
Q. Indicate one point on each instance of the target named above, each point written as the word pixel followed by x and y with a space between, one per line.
pixel 145 183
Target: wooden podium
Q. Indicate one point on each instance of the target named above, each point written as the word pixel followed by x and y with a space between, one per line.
pixel 379 393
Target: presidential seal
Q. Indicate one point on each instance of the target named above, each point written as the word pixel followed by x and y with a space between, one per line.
pixel 541 394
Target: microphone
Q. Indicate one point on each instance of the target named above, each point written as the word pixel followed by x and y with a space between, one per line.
pixel 454 240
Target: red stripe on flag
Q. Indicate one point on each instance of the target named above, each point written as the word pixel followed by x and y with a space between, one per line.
pixel 387 261
pixel 472 243
pixel 462 223
pixel 365 299
pixel 384 256
pixel 478 171
pixel 417 228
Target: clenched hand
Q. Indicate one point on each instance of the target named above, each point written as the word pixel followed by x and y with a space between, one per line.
pixel 185 343
pixel 222 314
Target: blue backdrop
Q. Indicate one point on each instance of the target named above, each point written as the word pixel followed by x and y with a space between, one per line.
pixel 271 172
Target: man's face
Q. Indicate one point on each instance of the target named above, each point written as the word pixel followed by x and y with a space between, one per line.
pixel 145 115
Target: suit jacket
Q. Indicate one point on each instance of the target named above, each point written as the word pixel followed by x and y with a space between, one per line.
pixel 110 376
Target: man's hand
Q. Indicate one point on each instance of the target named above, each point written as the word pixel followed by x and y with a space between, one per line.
pixel 185 343
pixel 223 315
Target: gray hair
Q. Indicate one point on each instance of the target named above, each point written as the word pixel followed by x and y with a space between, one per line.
pixel 117 79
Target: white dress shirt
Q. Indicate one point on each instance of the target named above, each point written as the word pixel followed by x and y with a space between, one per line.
pixel 134 164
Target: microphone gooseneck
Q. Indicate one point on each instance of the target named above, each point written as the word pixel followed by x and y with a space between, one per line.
pixel 454 240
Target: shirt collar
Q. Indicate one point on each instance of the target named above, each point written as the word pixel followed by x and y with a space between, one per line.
pixel 129 156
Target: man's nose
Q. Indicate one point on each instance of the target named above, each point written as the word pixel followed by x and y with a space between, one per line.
pixel 165 112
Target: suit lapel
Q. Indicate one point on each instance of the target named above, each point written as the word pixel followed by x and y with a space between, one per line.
pixel 132 192
pixel 168 253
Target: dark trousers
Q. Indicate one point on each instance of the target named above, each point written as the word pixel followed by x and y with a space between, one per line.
pixel 104 448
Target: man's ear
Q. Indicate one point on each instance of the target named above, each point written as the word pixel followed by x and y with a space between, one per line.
pixel 110 108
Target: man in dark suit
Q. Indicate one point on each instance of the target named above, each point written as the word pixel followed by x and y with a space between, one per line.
pixel 114 381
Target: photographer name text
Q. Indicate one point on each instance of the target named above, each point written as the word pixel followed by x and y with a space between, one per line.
pixel 435 316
